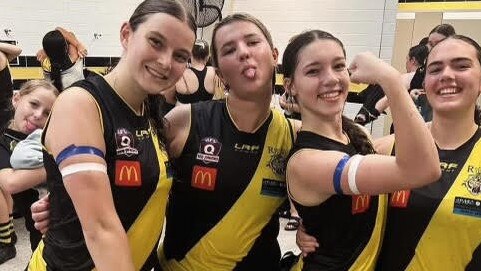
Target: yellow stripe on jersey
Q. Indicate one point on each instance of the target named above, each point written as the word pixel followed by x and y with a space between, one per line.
pixel 145 231
pixel 37 263
pixel 232 238
pixel 443 246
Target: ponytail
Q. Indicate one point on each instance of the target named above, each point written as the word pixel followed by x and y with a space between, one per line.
pixel 156 117
pixel 357 136
pixel 56 76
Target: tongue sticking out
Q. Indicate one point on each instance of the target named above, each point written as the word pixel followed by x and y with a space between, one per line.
pixel 30 126
pixel 250 73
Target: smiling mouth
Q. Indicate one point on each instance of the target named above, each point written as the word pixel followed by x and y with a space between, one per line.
pixel 448 91
pixel 330 95
pixel 156 74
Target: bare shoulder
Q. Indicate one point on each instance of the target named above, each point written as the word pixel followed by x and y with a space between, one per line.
pixel 309 172
pixel 177 128
pixel 75 119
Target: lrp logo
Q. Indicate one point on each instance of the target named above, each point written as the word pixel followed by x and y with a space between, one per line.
pixel 127 173
pixel 204 178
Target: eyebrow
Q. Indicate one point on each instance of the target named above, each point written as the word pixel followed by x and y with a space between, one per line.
pixel 314 63
pixel 247 36
pixel 455 60
pixel 164 39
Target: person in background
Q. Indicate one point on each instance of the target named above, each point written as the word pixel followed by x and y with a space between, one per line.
pixel 376 102
pixel 8 52
pixel 437 34
pixel 61 57
pixel 32 104
pixel 198 81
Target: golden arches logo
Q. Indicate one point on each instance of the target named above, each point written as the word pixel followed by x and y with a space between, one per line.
pixel 400 198
pixel 360 203
pixel 128 171
pixel 204 176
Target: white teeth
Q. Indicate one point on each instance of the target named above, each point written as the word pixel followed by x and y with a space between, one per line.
pixel 250 73
pixel 330 95
pixel 448 91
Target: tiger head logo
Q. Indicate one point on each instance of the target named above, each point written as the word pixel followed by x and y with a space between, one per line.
pixel 473 184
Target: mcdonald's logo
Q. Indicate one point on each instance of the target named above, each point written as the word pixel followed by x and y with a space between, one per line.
pixel 400 199
pixel 360 203
pixel 204 178
pixel 128 173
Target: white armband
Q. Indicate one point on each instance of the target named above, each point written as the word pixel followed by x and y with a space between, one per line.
pixel 351 174
pixel 81 167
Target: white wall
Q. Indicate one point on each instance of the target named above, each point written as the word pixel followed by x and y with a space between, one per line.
pixel 29 20
pixel 360 24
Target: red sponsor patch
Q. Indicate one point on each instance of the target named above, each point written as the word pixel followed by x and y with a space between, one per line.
pixel 400 199
pixel 128 173
pixel 204 178
pixel 360 203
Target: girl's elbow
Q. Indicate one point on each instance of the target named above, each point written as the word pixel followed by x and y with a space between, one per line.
pixel 9 187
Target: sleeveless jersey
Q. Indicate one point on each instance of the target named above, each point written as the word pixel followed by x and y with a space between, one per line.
pixel 438 226
pixel 201 94
pixel 347 228
pixel 8 141
pixel 140 180
pixel 222 209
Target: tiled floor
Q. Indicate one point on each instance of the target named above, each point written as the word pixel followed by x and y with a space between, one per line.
pixel 286 240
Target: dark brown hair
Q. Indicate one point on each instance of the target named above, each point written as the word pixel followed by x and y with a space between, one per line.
pixel 142 12
pixel 470 41
pixel 236 17
pixel 290 60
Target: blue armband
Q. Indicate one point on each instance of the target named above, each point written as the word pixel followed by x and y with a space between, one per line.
pixel 336 179
pixel 73 150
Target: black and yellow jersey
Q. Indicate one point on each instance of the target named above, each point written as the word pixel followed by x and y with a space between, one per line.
pixel 347 228
pixel 229 184
pixel 438 226
pixel 8 140
pixel 140 180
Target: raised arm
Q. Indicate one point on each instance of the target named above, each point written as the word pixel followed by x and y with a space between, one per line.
pixel 416 162
pixel 10 52
pixel 78 47
pixel 7 53
pixel 75 120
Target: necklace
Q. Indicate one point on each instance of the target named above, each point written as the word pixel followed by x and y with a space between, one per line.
pixel 347 137
pixel 115 87
pixel 235 124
